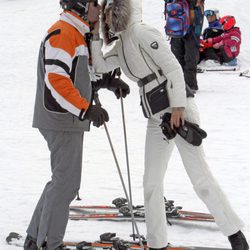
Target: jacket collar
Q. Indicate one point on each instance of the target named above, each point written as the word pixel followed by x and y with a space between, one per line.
pixel 125 13
pixel 73 19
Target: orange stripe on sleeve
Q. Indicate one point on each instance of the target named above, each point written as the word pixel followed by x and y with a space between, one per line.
pixel 65 88
pixel 68 40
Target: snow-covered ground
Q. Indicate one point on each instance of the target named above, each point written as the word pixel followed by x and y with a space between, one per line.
pixel 223 100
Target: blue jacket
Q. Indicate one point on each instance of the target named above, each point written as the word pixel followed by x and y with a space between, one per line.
pixel 215 24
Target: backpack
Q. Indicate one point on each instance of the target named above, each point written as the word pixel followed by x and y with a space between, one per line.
pixel 178 18
pixel 182 15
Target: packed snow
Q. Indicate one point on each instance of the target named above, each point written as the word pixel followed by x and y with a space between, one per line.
pixel 223 100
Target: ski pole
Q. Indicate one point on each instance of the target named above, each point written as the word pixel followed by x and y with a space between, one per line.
pixel 127 158
pixel 118 73
pixel 245 72
pixel 244 75
pixel 97 101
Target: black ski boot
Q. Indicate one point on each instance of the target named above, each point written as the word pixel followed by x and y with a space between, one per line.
pixel 30 243
pixel 238 241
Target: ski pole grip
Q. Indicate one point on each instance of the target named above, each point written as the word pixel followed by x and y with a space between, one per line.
pixel 96 99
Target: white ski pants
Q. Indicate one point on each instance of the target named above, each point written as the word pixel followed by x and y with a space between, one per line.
pixel 157 155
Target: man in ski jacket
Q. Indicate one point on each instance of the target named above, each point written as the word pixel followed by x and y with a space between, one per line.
pixel 144 57
pixel 63 111
pixel 225 47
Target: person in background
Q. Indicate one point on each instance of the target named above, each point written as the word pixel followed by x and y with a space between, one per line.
pixel 144 56
pixel 226 47
pixel 186 49
pixel 214 26
pixel 213 18
pixel 63 112
pixel 214 29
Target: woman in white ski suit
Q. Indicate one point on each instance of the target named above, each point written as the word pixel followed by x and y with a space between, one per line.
pixel 144 57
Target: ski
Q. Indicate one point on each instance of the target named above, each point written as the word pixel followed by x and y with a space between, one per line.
pixel 212 66
pixel 140 217
pixel 225 70
pixel 121 212
pixel 103 209
pixel 233 71
pixel 124 245
pixel 108 241
pixel 222 69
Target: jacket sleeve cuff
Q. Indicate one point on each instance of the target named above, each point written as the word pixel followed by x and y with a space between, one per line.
pixel 82 115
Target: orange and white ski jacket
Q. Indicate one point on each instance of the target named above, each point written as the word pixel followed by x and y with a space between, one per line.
pixel 64 90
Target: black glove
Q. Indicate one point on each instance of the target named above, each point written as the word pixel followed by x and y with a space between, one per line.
pixel 190 132
pixel 166 127
pixel 114 84
pixel 97 115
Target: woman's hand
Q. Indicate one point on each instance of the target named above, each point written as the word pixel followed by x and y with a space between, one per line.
pixel 177 118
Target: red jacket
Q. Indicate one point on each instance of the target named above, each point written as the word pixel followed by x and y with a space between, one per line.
pixel 231 40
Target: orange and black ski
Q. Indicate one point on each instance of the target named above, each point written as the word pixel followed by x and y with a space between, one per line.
pixel 121 212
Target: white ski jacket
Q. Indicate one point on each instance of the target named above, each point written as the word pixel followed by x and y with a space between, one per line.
pixel 144 56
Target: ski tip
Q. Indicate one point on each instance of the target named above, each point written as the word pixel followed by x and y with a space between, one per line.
pixel 243 73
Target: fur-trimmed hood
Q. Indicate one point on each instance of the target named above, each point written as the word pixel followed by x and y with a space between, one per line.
pixel 124 14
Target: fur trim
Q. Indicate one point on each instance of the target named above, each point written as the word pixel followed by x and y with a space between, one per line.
pixel 120 15
pixel 120 19
pixel 104 26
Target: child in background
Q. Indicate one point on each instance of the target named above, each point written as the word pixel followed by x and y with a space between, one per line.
pixel 225 47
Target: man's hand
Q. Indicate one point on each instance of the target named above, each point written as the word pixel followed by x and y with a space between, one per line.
pixel 97 115
pixel 177 118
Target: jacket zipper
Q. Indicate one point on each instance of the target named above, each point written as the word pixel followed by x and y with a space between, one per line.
pixel 144 95
pixel 147 63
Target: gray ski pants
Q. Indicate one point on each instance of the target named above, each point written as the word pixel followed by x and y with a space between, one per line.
pixel 50 217
pixel 157 155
